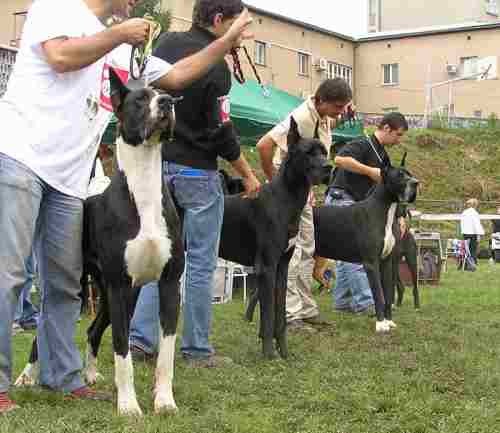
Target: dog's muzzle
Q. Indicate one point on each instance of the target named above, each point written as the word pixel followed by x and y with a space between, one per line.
pixel 410 193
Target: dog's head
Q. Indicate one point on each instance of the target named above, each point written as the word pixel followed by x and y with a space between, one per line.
pixel 307 157
pixel 400 182
pixel 142 113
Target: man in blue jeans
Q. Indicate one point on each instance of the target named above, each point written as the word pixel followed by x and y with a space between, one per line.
pixel 54 113
pixel 26 314
pixel 359 165
pixel 203 133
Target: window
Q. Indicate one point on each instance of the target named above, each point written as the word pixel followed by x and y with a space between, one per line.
pixel 492 7
pixel 260 53
pixel 304 64
pixel 335 70
pixel 391 73
pixel 372 13
pixel 469 66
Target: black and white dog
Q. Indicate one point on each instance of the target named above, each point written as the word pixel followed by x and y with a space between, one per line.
pixel 363 233
pixel 257 232
pixel 132 235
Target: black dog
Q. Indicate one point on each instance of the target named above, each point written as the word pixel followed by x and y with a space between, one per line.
pixel 406 247
pixel 256 232
pixel 363 233
pixel 132 235
pixel 230 185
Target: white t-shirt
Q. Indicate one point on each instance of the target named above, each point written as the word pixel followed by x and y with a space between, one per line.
pixel 306 117
pixel 52 122
pixel 470 222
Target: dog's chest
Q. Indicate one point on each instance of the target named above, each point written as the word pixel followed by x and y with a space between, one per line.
pixel 389 239
pixel 146 254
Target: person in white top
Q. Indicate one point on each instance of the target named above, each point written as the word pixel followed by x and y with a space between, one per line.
pixel 470 225
pixel 53 116
pixel 329 100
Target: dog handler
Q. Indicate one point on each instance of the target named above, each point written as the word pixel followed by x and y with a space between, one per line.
pixel 358 169
pixel 320 109
pixel 53 100
pixel 202 134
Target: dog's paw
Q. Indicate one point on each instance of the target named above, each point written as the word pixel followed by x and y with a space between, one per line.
pixel 381 327
pixel 30 375
pixel 391 324
pixel 92 376
pixel 164 403
pixel 129 407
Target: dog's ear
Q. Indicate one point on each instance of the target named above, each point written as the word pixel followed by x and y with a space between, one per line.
pixel 117 91
pixel 316 130
pixel 403 161
pixel 293 133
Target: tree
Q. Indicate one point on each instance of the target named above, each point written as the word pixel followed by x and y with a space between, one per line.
pixel 153 8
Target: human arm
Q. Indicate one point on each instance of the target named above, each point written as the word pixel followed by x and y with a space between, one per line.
pixel 250 181
pixel 191 68
pixel 351 164
pixel 266 148
pixel 66 54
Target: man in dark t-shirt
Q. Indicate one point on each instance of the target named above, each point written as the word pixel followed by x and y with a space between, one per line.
pixel 358 169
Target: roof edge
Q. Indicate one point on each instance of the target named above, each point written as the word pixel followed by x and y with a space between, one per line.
pixel 300 23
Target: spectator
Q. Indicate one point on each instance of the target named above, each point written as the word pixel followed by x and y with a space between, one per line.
pixel 470 225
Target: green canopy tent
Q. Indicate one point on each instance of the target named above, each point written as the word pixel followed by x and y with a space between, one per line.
pixel 255 110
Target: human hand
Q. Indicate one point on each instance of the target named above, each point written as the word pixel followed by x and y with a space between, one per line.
pixel 238 32
pixel 134 31
pixel 375 174
pixel 252 186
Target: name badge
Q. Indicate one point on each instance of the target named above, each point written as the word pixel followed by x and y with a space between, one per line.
pixel 224 108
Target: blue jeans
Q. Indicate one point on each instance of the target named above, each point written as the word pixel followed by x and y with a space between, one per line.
pixel 26 313
pixel 40 216
pixel 352 290
pixel 199 195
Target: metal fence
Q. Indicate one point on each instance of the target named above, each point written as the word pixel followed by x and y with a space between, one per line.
pixel 7 60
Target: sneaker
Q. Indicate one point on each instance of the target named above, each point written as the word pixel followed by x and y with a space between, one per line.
pixel 16 328
pixel 299 325
pixel 140 355
pixel 317 320
pixel 212 361
pixel 6 404
pixel 368 311
pixel 87 393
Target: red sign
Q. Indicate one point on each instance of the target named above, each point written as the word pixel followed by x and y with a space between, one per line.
pixel 105 99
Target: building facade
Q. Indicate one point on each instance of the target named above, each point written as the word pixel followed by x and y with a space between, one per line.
pixel 388 15
pixel 388 70
pixel 288 54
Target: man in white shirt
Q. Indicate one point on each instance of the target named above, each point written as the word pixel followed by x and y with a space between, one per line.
pixel 53 115
pixel 471 227
pixel 327 103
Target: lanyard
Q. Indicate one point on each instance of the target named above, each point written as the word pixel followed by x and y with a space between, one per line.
pixel 375 150
pixel 140 56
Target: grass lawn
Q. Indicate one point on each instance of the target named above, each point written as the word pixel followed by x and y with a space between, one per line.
pixel 438 372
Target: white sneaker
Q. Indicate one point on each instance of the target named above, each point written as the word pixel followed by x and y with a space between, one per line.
pixel 16 328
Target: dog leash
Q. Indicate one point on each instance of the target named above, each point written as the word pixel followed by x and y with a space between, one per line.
pixel 375 150
pixel 140 56
pixel 238 71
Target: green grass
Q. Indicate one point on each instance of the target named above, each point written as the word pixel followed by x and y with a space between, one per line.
pixel 438 372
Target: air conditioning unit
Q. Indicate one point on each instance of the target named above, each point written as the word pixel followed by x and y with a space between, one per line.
pixel 322 64
pixel 492 8
pixel 452 69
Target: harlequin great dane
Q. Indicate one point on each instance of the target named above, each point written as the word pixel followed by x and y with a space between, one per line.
pixel 132 235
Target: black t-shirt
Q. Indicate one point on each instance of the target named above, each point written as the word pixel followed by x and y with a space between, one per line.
pixel 198 140
pixel 355 184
